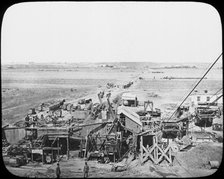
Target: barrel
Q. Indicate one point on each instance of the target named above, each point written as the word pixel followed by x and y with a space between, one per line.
pixel 214 164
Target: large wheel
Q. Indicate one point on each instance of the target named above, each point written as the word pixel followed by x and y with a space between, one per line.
pixel 48 159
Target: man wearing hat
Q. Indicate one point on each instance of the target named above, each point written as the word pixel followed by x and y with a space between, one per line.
pixel 58 171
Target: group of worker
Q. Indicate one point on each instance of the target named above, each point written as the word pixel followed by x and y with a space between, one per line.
pixel 85 170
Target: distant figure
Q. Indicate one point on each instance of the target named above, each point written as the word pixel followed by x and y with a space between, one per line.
pixel 42 117
pixel 41 107
pixel 58 171
pixel 86 170
pixel 27 119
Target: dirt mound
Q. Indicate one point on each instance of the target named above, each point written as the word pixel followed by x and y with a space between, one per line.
pixel 199 156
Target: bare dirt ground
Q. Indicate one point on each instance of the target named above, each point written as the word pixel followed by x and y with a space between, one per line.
pixel 185 165
pixel 25 89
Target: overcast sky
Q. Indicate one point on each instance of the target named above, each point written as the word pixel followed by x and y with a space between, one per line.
pixel 108 32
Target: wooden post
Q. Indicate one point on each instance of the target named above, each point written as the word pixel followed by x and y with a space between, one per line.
pixel 43 156
pixel 51 154
pixel 58 146
pixel 187 126
pixel 119 149
pixel 31 155
pixel 86 144
pixel 170 156
pixel 25 133
pixel 114 156
pixel 81 143
pixel 68 147
pixel 155 150
pixel 85 147
pixel 141 149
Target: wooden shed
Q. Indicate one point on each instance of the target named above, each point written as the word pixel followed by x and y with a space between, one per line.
pixel 130 119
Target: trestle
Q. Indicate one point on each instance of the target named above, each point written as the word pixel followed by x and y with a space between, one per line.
pixel 155 152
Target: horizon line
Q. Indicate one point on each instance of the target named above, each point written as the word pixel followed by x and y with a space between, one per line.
pixel 31 62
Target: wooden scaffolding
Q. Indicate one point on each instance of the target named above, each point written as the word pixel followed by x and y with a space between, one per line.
pixel 156 152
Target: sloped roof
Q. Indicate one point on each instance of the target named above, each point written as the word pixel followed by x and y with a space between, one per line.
pixel 130 114
pixel 129 96
pixel 4 123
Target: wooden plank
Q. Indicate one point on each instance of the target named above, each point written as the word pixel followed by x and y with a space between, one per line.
pixel 51 148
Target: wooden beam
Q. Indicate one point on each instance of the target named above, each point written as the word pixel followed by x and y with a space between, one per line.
pixel 51 148
pixel 84 125
pixel 11 128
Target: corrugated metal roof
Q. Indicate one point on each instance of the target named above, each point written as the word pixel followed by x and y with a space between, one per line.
pixel 130 114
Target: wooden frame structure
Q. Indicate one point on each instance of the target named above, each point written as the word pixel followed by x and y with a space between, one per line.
pixel 155 152
pixel 54 134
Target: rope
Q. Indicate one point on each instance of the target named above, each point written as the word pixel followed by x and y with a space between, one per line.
pixel 197 84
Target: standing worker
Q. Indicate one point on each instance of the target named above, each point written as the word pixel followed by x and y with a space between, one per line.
pixel 41 107
pixel 86 170
pixel 58 171
pixel 27 119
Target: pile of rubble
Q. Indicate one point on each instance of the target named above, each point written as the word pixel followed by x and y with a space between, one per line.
pixel 200 155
